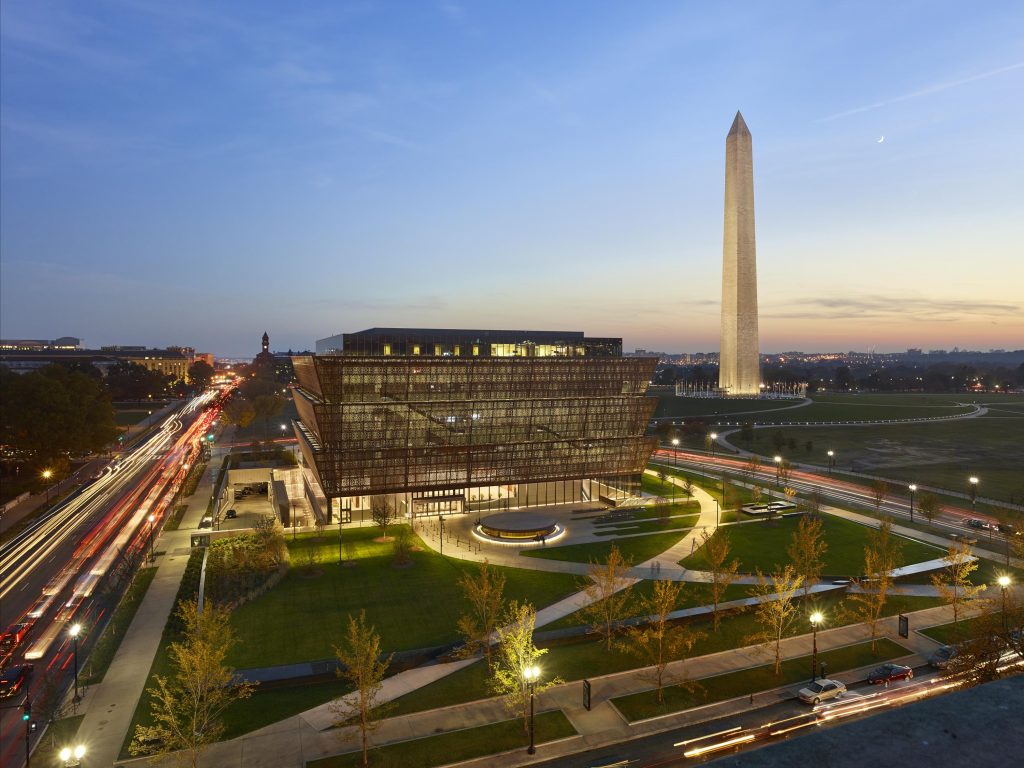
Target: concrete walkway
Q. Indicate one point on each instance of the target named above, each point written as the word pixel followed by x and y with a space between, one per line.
pixel 109 706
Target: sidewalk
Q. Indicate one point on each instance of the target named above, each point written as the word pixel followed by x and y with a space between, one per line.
pixel 109 706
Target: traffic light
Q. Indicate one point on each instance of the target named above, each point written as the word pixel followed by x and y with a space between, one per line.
pixel 26 711
pixel 210 437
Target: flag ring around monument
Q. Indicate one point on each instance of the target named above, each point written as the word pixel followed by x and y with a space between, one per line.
pixel 518 528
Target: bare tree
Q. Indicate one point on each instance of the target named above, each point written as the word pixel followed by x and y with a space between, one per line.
pixel 403 543
pixel 814 503
pixel 656 642
pixel 716 550
pixel 752 466
pixel 776 609
pixel 688 487
pixel 807 549
pixel 928 505
pixel 980 655
pixel 311 555
pixel 485 593
pixel 362 664
pixel 954 581
pixel 879 492
pixel 517 654
pixel 187 707
pixel 382 511
pixel 785 471
pixel 881 556
pixel 609 592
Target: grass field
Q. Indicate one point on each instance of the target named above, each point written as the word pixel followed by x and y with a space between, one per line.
pixel 416 607
pixel 640 706
pixel 457 745
pixel 951 633
pixel 940 454
pixel 762 545
pixel 103 652
pixel 635 548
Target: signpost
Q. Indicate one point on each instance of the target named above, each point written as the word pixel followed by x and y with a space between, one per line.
pixel 904 626
pixel 586 695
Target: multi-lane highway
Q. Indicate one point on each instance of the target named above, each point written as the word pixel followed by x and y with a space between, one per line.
pixel 51 573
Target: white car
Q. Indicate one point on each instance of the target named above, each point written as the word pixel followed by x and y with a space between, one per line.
pixel 820 690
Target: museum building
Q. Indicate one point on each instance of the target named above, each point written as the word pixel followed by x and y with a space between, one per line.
pixel 441 421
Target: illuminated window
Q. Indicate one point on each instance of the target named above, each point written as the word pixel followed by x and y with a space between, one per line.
pixel 437 350
pixel 415 349
pixel 387 349
pixel 476 350
pixel 457 350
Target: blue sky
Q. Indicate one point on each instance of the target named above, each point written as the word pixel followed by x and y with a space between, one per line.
pixel 195 173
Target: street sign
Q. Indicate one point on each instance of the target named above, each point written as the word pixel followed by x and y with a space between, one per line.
pixel 904 626
pixel 586 695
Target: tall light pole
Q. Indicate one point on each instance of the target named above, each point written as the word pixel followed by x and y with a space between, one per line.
pixel 714 442
pixel 675 463
pixel 974 490
pixel 816 618
pixel 778 473
pixel 831 461
pixel 440 533
pixel 530 674
pixel 912 488
pixel 74 632
pixel 1004 582
pixel 152 554
pixel 47 474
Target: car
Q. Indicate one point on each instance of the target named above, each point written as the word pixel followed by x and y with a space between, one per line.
pixel 13 679
pixel 974 522
pixel 889 672
pixel 1007 529
pixel 206 522
pixel 231 514
pixel 821 690
pixel 942 656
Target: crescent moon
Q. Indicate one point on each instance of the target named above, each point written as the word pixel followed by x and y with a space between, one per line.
pixel 881 139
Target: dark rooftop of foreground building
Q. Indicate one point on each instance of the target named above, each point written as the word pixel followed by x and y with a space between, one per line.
pixel 454 342
pixel 978 727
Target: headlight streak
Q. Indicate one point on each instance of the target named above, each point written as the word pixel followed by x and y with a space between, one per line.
pixel 708 736
pixel 723 745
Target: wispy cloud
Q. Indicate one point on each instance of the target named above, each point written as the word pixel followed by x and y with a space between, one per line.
pixel 894 307
pixel 927 91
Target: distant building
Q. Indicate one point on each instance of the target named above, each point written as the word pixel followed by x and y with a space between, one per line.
pixel 448 421
pixel 167 362
pixel 39 345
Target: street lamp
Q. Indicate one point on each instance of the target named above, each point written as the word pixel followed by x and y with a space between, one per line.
pixel 816 619
pixel 831 461
pixel 74 632
pixel 152 554
pixel 714 441
pixel 47 474
pixel 974 490
pixel 778 472
pixel 72 757
pixel 440 533
pixel 912 488
pixel 1004 582
pixel 530 674
pixel 675 463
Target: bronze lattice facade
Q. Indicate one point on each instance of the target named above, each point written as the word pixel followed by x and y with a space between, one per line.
pixel 371 424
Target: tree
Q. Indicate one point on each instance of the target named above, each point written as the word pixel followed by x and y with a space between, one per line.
pixel 200 373
pixel 716 550
pixel 928 505
pixel 131 381
pixel 753 466
pixel 785 471
pixel 608 591
pixel 516 654
pixel 807 549
pixel 656 642
pixel 382 510
pixel 881 556
pixel 879 492
pixel 402 545
pixel 776 609
pixel 361 663
pixel 485 593
pixel 239 411
pixel 953 582
pixel 267 407
pixel 980 655
pixel 688 487
pixel 187 707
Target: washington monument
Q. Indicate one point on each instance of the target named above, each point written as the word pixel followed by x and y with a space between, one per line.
pixel 739 372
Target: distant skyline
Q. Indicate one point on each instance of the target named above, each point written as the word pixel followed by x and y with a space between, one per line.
pixel 177 173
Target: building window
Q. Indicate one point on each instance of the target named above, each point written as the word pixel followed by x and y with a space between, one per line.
pixel 415 349
pixel 437 350
pixel 387 349
pixel 476 350
pixel 457 350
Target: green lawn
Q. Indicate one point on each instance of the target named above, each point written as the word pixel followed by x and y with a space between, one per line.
pixel 951 633
pixel 103 652
pixel 763 545
pixel 640 706
pixel 715 409
pixel 272 704
pixel 636 548
pixel 671 521
pixel 456 746
pixel 304 616
pixel 60 734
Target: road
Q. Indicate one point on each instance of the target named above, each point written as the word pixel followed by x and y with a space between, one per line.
pixel 52 574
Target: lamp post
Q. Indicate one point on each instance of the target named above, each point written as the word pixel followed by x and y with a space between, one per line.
pixel 1004 582
pixel 912 488
pixel 74 632
pixel 974 490
pixel 530 674
pixel 816 618
pixel 440 533
pixel 831 461
pixel 675 463
pixel 714 442
pixel 72 757
pixel 47 474
pixel 152 554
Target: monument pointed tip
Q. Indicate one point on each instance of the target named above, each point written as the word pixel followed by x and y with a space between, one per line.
pixel 738 125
